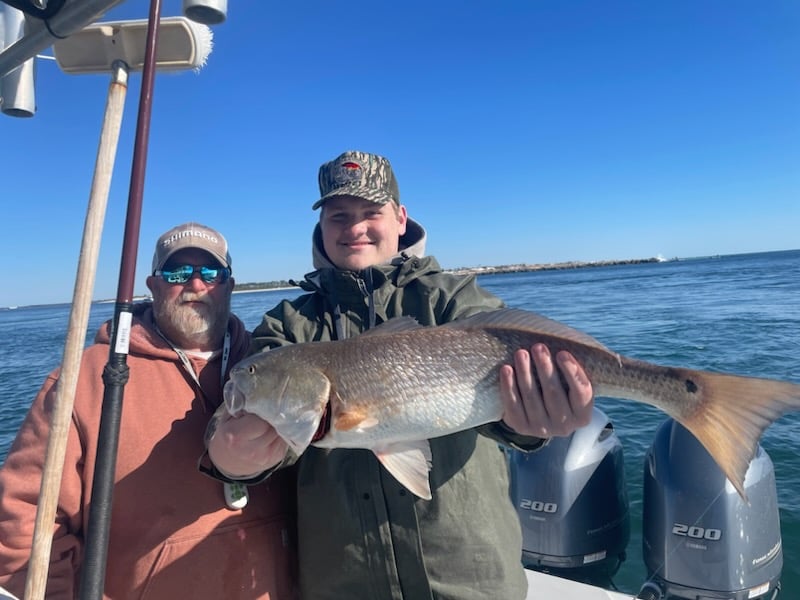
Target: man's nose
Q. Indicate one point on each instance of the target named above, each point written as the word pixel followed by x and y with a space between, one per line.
pixel 196 282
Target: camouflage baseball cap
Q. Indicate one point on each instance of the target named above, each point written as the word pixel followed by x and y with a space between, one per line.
pixel 358 174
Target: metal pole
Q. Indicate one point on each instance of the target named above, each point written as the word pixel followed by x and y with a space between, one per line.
pixel 115 374
pixel 73 16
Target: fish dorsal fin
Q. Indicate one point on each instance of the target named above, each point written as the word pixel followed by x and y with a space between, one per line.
pixel 409 463
pixel 394 325
pixel 514 318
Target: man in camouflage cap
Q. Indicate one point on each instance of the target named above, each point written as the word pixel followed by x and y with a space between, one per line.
pixel 362 534
pixel 362 222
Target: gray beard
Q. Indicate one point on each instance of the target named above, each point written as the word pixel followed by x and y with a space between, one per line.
pixel 190 327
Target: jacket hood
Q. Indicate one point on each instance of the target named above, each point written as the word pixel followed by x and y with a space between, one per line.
pixel 412 243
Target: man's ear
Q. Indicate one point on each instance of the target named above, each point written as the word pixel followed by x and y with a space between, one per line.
pixel 402 218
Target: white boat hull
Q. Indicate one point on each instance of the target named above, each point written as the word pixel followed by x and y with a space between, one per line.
pixel 541 585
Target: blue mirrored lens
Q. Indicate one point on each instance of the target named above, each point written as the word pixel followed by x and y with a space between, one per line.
pixel 184 273
pixel 213 274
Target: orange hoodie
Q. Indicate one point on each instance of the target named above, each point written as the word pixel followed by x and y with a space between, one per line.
pixel 171 534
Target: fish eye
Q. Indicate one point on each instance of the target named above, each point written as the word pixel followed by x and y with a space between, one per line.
pixel 251 369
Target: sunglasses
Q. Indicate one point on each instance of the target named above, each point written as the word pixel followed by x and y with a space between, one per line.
pixel 183 273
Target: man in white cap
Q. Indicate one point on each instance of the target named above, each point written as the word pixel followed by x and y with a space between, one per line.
pixel 174 532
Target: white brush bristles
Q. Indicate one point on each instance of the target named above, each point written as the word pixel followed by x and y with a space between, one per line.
pixel 204 43
pixel 182 44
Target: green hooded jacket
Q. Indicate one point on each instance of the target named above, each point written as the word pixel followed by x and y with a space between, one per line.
pixel 361 533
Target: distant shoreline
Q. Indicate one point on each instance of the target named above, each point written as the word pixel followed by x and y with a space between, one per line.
pixel 269 286
pixel 494 270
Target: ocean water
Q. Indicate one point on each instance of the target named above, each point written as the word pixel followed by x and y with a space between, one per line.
pixel 737 313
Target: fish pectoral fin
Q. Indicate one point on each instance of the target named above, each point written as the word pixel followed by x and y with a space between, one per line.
pixel 409 463
pixel 353 419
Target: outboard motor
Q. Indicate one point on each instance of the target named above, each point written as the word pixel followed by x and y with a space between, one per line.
pixel 572 503
pixel 700 539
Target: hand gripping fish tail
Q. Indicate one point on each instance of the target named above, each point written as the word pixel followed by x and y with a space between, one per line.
pixel 391 389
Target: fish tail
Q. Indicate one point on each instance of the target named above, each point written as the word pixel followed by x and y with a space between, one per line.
pixel 734 413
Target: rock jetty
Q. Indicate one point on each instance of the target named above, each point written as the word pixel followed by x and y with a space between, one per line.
pixel 525 267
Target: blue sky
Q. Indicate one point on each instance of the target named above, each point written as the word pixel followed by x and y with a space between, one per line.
pixel 520 132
